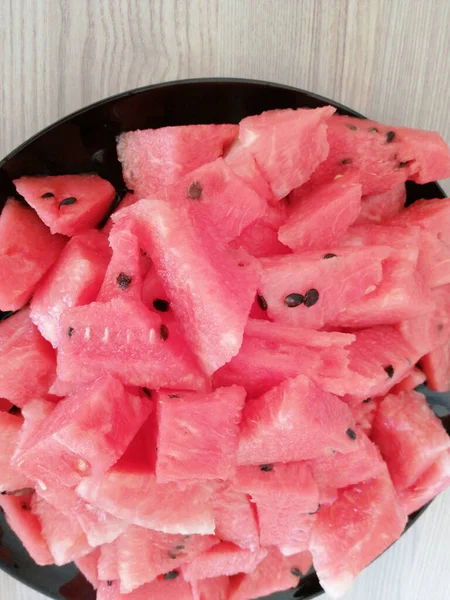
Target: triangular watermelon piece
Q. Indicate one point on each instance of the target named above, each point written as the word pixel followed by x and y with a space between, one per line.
pixel 241 160
pixel 99 526
pixel 235 518
pixel 223 559
pixel 378 208
pixel 433 215
pixel 68 204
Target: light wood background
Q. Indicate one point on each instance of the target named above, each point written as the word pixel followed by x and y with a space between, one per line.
pixel 389 59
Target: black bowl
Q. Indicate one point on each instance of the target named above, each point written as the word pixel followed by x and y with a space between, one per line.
pixel 85 142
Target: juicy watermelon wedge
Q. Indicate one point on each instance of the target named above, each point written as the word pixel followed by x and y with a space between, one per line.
pixel 215 588
pixel 223 559
pixel 235 518
pixel 241 160
pixel 378 208
pixel 432 215
pixel 431 483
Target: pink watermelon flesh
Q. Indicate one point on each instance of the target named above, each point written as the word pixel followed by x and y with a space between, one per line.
pixel 74 280
pixel 364 414
pixel 5 405
pixel 124 338
pixel 431 483
pixel 10 478
pixel 26 526
pixel 273 574
pixel 159 589
pixel 99 526
pixel 27 251
pixel 377 208
pixel 88 566
pixel 235 518
pixel 344 278
pixel 376 154
pixel 85 434
pixel 241 160
pixel 409 436
pixel 198 434
pixel 154 158
pixel 216 588
pixel 413 379
pixel 211 295
pixel 348 535
pixel 434 260
pixel 294 421
pixel 223 559
pixel 128 200
pixel 432 215
pixel 287 145
pixel 34 414
pixel 77 203
pixel 108 566
pixel 144 554
pixel 319 219
pixel 436 365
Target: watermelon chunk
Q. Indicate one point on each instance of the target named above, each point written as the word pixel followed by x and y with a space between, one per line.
pixel 144 554
pixel 223 559
pixel 27 251
pixel 85 434
pixel 298 140
pixel 99 526
pixel 409 435
pixel 10 478
pixel 378 208
pixel 124 338
pixel 235 518
pixel 320 218
pixel 431 483
pixel 88 566
pixel 74 280
pixel 436 365
pixel 413 379
pixel 293 421
pixel 159 589
pixel 241 160
pixel 108 566
pixel 128 200
pixel 210 294
pixel 76 203
pixel 434 260
pixel 26 526
pixel 198 434
pixel 154 158
pixel 215 588
pixel 364 413
pixel 433 215
pixel 346 539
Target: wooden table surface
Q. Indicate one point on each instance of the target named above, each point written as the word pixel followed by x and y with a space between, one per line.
pixel 388 59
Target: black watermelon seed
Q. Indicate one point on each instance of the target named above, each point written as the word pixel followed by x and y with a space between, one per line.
pixel 390 136
pixel 3 493
pixel 109 583
pixel 123 281
pixel 147 392
pixel 351 127
pixel 161 305
pixel 70 331
pixel 173 554
pixel 440 327
pixel 316 511
pixel 164 332
pixel 241 264
pixel 293 300
pixel 351 434
pixel 311 297
pixel 389 370
pixel 25 506
pixel 296 572
pixel 171 575
pixel 48 195
pixel 347 161
pixel 14 410
pixel 195 191
pixel 266 468
pixel 330 255
pixel 173 396
pixel 372 130
pixel 180 547
pixel 67 201
pixel 262 302
pixel 403 164
pixel 367 400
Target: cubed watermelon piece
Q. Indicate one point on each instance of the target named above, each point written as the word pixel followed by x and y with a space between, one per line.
pixel 68 204
pixel 99 526
pixel 287 145
pixel 198 434
pixel 436 366
pixel 235 518
pixel 409 435
pixel 364 413
pixel 223 559
pixel 88 566
pixel 144 554
pixel 377 208
pixel 85 434
pixel 412 379
pixel 124 338
pixel 241 160
pixel 211 289
pixel 160 589
pixel 434 259
pixel 153 158
pixel 433 215
pixel 26 526
pixel 34 413
pixel 74 280
pixel 27 251
pixel 108 566
pixel 215 588
pixel 432 482
pixel 10 478
pixel 294 421
pixel 381 156
pixel 320 218
pixel 349 534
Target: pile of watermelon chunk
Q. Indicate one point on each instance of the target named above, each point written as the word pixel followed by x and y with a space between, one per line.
pixel 217 389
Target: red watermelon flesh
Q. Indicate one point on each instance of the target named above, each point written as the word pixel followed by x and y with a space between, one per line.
pixel 159 589
pixel 349 534
pixel 433 215
pixel 128 200
pixel 10 478
pixel 346 278
pixel 294 421
pixel 320 218
pixel 85 434
pixel 99 526
pixel 34 413
pixel 378 208
pixel 435 480
pixel 88 566
pixel 413 379
pixel 434 259
pixel 273 574
pixel 364 413
pixel 108 567
pixel 27 251
pixel 235 518
pixel 77 202
pixel 215 588
pixel 5 405
pixel 211 295
pixel 26 526
pixel 409 436
pixel 282 525
pixel 223 559
pixel 436 365
pixel 241 160
pixel 298 140
pixel 403 241
pixel 198 434
pixel 154 158
pixel 74 280
pixel 377 154
pixel 144 554
pixel 124 338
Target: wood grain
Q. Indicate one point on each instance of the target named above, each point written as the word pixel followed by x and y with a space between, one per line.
pixel 386 58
